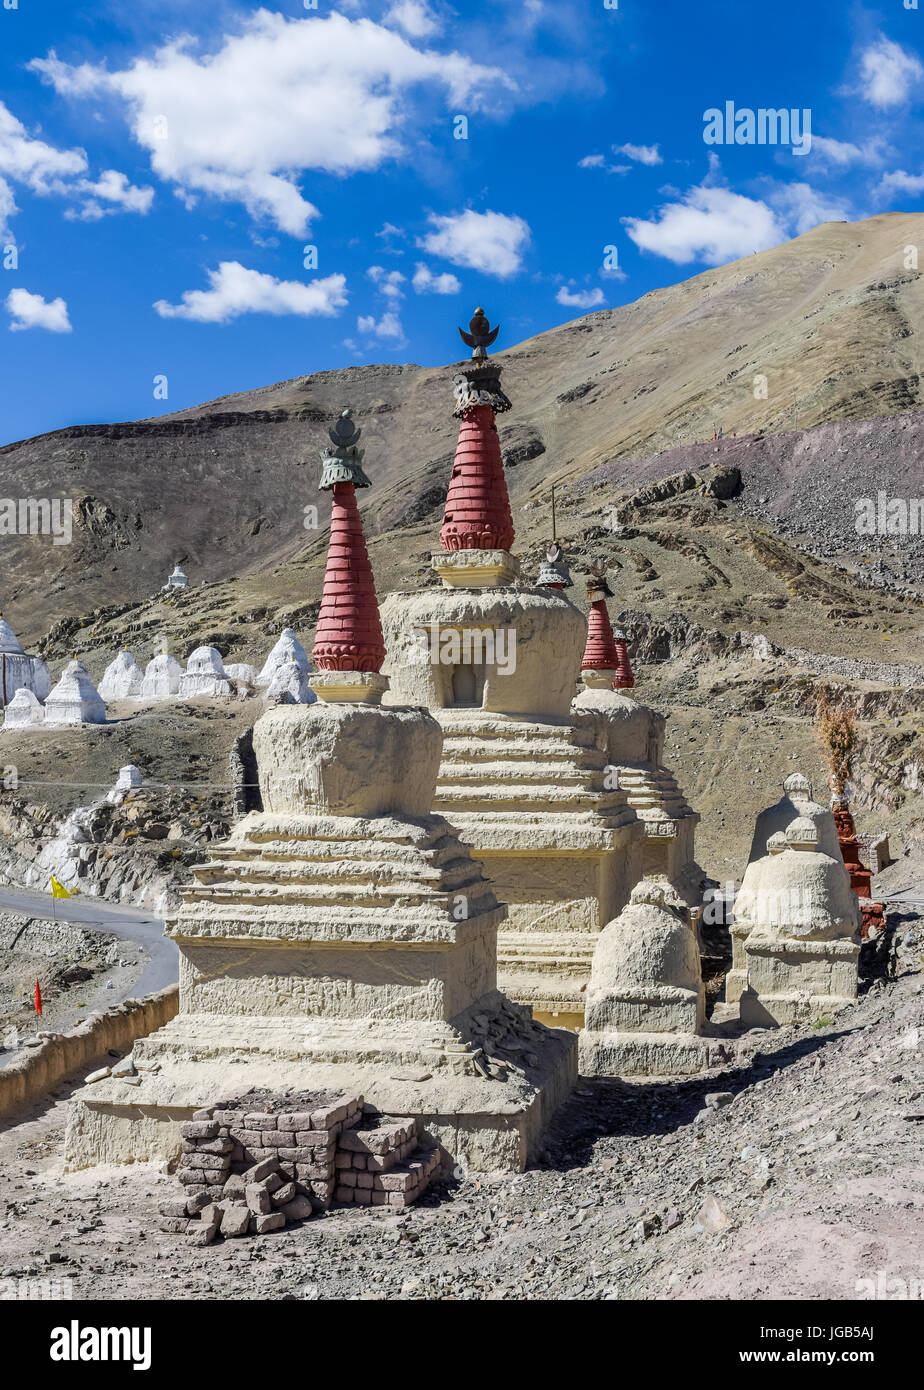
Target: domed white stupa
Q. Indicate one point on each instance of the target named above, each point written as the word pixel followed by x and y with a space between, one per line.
pixel 122 678
pixel 204 674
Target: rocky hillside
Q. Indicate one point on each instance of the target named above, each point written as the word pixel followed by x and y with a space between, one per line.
pixel 832 321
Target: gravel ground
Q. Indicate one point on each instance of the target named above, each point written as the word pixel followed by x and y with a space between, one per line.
pixel 807 1180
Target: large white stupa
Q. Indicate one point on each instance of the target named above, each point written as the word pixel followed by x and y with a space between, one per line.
pixel 75 699
pixel 122 678
pixel 204 674
pixel 162 677
pixel 19 670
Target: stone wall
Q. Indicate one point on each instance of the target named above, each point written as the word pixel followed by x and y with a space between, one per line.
pixel 56 1055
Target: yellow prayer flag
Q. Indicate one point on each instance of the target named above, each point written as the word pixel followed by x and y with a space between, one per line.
pixel 58 890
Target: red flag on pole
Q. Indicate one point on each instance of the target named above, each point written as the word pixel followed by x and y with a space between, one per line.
pixel 38 998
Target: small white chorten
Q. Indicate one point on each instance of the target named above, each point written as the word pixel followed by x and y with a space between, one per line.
pixel 177 580
pixel 75 699
pixel 204 674
pixel 23 710
pixel 286 649
pixel 122 678
pixel 290 685
pixel 162 677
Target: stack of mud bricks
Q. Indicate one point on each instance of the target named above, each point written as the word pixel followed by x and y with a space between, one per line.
pixel 375 1167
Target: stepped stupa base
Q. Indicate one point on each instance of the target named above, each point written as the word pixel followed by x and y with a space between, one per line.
pixel 483 1123
pixel 644 1054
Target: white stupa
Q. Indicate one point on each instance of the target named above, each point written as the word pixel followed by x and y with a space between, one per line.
pixel 177 580
pixel 290 685
pixel 242 671
pixel 18 670
pixel 75 699
pixel 23 710
pixel 162 677
pixel 128 780
pixel 204 674
pixel 287 649
pixel 122 678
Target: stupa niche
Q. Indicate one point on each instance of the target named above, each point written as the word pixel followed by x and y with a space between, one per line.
pixel 122 679
pixel 496 661
pixel 204 674
pixel 803 944
pixel 342 939
pixel 19 670
pixel 75 699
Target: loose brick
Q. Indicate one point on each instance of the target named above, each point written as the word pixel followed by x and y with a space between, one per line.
pixel 196 1204
pixel 329 1116
pixel 192 1177
pixel 199 1129
pixel 258 1199
pixel 177 1207
pixel 299 1209
pixel 174 1225
pixel 287 1193
pixel 201 1235
pixel 215 1191
pixel 297 1120
pixel 272 1221
pixel 205 1114
pixel 261 1170
pixel 235 1220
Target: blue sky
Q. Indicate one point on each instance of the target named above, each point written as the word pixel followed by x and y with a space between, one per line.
pixel 164 166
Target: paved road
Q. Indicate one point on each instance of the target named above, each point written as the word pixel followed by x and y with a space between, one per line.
pixel 128 923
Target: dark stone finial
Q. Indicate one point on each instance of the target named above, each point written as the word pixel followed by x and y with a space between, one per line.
pixel 342 459
pixel 480 335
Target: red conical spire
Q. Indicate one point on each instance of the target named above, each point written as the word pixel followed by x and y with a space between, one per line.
pixel 477 514
pixel 624 677
pixel 349 631
pixel 600 653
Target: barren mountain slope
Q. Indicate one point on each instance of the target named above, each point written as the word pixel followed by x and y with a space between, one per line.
pixel 832 320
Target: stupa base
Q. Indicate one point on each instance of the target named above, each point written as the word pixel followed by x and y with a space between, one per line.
pixel 644 1054
pixel 476 569
pixel 793 981
pixel 480 1123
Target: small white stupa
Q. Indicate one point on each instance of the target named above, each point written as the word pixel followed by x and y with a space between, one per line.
pixel 122 678
pixel 177 580
pixel 290 685
pixel 128 780
pixel 242 671
pixel 287 649
pixel 18 670
pixel 204 674
pixel 75 699
pixel 162 677
pixel 23 710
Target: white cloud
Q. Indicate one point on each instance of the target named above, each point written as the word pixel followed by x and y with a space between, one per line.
pixel 280 97
pixel 642 154
pixel 889 73
pixel 425 282
pixel 235 290
pixel 7 209
pixel 900 182
pixel 711 224
pixel 414 17
pixel 580 299
pixel 802 207
pixel 34 162
pixel 32 311
pixel 490 242
pixel 389 282
pixel 388 326
pixel 592 161
pixel 843 153
pixel 111 192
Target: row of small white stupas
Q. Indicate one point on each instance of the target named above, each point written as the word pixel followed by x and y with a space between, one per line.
pixel 27 697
